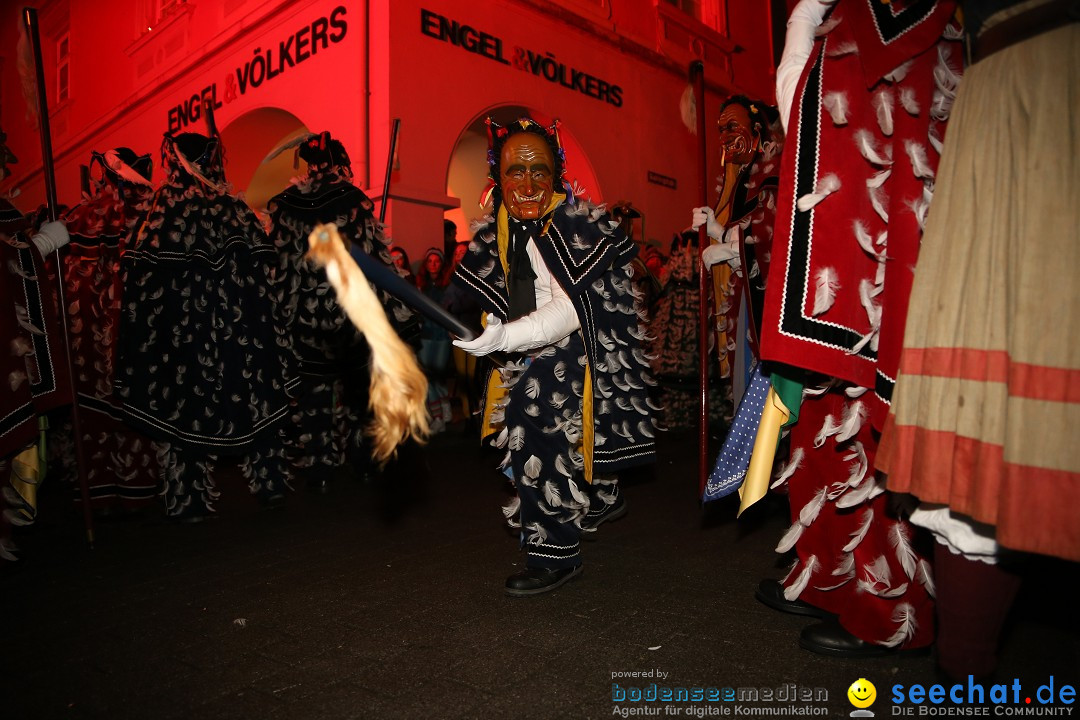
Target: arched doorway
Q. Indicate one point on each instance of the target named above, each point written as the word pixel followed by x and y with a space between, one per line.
pixel 467 173
pixel 248 140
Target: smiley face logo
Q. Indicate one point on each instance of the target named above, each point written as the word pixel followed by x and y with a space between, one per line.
pixel 862 693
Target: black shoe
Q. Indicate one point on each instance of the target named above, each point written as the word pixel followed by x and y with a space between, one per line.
pixel 828 638
pixel 607 513
pixel 771 592
pixel 536 581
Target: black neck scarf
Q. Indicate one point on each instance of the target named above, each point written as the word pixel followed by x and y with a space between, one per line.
pixel 520 275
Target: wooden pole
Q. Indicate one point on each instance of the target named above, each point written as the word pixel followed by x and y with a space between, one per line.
pixel 697 79
pixel 389 169
pixel 30 19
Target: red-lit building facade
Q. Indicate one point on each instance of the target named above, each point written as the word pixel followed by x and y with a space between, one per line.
pixel 122 72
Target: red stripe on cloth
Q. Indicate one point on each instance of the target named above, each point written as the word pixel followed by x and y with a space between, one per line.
pixel 1033 508
pixel 1037 382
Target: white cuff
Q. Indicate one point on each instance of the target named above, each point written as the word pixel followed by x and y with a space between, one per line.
pixel 798 44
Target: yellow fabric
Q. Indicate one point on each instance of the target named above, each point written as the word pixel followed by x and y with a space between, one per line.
pixel 493 396
pixel 721 279
pixel 25 476
pixel 587 424
pixel 756 485
pixel 721 274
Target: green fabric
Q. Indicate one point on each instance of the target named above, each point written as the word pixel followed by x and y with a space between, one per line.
pixel 790 392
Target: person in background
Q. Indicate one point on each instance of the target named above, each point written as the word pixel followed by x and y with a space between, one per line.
pixel 450 240
pixel 434 354
pixel 463 306
pixel 400 259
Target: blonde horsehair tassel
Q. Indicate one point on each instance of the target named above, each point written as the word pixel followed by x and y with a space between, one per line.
pixel 398 386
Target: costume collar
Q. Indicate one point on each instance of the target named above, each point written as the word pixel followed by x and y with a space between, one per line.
pixel 503 227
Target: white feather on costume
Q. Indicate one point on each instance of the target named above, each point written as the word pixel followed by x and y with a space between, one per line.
pixel 819 390
pixel 920 208
pixel 854 391
pixel 859 467
pixel 860 533
pixel 516 438
pixel 512 507
pixel 644 428
pixel 883 102
pixel 900 72
pixel 812 509
pixel 878 571
pixel 826 27
pixel 879 200
pixel 868 291
pixel 826 283
pixel 925 575
pixel 790 537
pixel 904 552
pixel 854 415
pixel 846 566
pixel 537 534
pixel 847 578
pixel 878 179
pixel 909 102
pixel 934 136
pixel 793 464
pixel 561 468
pixel 856 496
pixel 904 616
pixel 579 496
pixel 551 495
pixel 825 187
pixel 886 592
pixel 533 467
pixel 829 427
pixel 841 49
pixel 864 140
pixel 919 164
pixel 836 103
pixel 945 85
pixel 865 241
pixel 793 591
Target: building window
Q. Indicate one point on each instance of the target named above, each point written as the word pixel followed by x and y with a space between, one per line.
pixel 708 12
pixel 158 11
pixel 63 68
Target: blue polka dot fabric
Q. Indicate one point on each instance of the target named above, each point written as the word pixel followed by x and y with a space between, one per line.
pixel 734 459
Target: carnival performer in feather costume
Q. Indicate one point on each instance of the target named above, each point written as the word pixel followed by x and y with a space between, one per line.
pixel 204 361
pixel 325 427
pixel 553 276
pixel 869 85
pixel 122 464
pixel 32 360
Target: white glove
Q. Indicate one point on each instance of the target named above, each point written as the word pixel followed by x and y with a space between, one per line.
pixel 721 252
pixel 704 216
pixel 493 339
pixel 50 236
